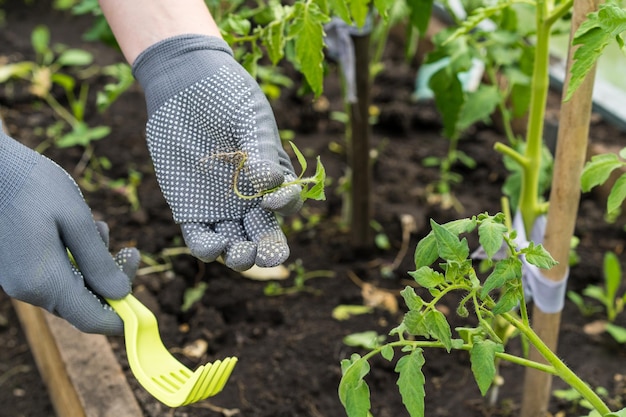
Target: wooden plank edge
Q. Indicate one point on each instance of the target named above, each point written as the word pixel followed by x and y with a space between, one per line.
pixel 80 370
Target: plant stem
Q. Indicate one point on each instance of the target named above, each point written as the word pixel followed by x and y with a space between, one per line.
pixel 529 198
pixel 467 347
pixel 560 369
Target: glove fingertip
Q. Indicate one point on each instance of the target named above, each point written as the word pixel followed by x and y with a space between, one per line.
pixel 203 243
pixel 284 201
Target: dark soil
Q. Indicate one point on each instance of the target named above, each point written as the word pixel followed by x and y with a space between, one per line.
pixel 290 346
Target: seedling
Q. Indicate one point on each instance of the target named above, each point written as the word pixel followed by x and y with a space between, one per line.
pixel 607 295
pixel 300 281
pixel 424 326
pixel 312 187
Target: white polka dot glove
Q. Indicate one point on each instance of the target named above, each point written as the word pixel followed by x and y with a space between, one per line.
pixel 215 145
pixel 42 215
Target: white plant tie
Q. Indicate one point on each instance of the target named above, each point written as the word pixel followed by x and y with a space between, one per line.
pixel 548 295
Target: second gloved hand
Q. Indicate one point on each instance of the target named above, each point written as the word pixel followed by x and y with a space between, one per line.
pixel 211 132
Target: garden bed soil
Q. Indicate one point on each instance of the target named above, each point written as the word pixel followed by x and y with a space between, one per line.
pixel 289 347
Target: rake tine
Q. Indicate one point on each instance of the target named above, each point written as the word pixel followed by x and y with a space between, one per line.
pixel 220 378
pixel 196 393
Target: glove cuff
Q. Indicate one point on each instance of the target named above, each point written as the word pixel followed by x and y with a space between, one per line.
pixel 173 64
pixel 16 162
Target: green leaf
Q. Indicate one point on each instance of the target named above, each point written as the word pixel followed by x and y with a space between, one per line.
pixel 620 413
pixel 593 36
pixel 359 10
pixel 412 300
pixel 449 98
pixel 509 299
pixel 300 157
pixel 193 295
pixel 612 275
pixel 317 190
pixel 340 8
pixel 420 14
pixel 75 58
pixel 17 70
pixel 448 244
pixel 616 196
pixel 368 339
pixel 618 332
pixel 354 393
pixel 64 80
pixel 411 382
pixel 426 251
pixel 415 323
pixel 505 270
pixel 539 256
pixel 307 31
pixel 40 39
pixel 482 357
pixel 427 277
pixel 387 352
pixel 490 235
pixel 273 37
pixel 344 311
pixel 598 170
pixel 478 106
pixel 439 328
pixel 383 7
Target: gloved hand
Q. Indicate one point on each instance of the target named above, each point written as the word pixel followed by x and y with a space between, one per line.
pixel 206 116
pixel 42 215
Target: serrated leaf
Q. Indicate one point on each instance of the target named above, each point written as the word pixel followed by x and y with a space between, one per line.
pixel 415 324
pixel 354 392
pixel 449 246
pixel 491 235
pixel 509 299
pixel 307 31
pixel 359 10
pixel 340 8
pixel 412 300
pixel 273 38
pixel 439 328
pixel 482 357
pixel 537 255
pixel 598 170
pixel 426 251
pixel 617 195
pixel 505 270
pixel 411 382
pixel 593 36
pixel 427 277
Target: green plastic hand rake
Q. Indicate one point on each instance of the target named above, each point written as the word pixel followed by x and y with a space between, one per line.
pixel 160 373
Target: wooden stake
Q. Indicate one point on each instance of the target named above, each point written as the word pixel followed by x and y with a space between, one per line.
pixel 571 152
pixel 361 210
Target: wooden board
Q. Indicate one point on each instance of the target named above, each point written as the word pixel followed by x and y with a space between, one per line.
pixel 80 370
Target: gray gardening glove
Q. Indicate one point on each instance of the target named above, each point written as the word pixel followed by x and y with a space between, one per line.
pixel 42 215
pixel 206 116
